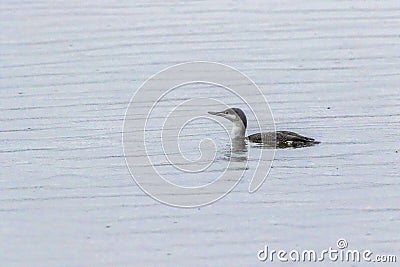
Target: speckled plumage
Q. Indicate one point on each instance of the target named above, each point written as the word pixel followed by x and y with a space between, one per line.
pixel 282 139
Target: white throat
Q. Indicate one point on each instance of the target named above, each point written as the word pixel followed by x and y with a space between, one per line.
pixel 238 130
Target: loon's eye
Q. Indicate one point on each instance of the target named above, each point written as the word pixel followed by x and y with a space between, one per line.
pixel 226 112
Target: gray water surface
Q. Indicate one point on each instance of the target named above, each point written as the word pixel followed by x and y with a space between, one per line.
pixel 330 70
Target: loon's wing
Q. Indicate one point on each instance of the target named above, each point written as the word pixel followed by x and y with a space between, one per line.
pixel 291 136
pixel 282 139
pixel 268 137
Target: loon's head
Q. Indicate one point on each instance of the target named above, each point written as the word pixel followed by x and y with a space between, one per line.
pixel 235 115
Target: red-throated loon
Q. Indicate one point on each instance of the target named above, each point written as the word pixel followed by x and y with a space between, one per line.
pixel 279 139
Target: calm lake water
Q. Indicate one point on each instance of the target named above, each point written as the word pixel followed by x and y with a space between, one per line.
pixel 329 70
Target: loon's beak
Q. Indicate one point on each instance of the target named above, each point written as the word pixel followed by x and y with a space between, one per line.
pixel 216 113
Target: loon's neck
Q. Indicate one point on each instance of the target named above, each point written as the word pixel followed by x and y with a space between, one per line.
pixel 238 130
